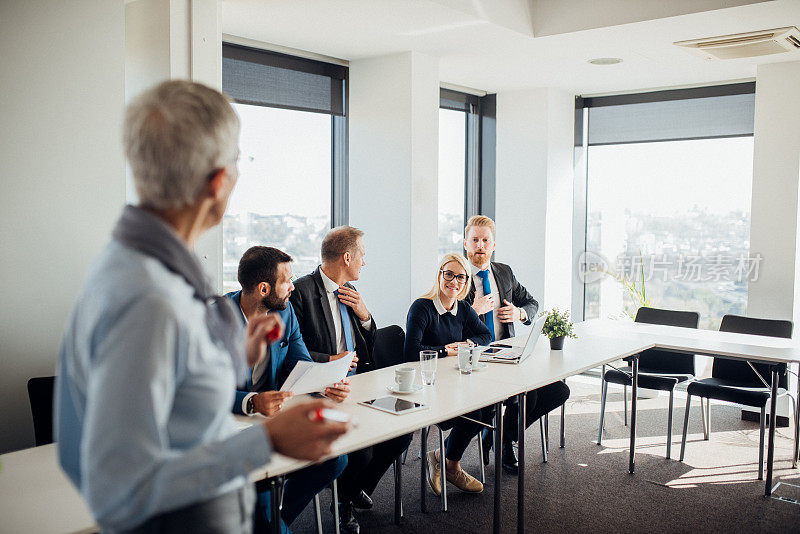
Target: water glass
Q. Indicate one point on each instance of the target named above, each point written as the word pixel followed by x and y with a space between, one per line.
pixel 427 366
pixel 465 358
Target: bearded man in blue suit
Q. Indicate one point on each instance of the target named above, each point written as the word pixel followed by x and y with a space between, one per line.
pixel 265 274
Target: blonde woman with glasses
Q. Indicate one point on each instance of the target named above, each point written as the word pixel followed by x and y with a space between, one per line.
pixel 440 320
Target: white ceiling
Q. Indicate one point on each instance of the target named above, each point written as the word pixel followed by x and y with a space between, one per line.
pixel 489 44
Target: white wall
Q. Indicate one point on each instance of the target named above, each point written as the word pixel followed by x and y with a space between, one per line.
pixel 773 226
pixel 394 122
pixel 534 190
pixel 175 39
pixel 774 217
pixel 63 177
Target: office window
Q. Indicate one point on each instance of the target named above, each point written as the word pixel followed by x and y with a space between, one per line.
pixel 466 163
pixel 292 164
pixel 452 179
pixel 668 187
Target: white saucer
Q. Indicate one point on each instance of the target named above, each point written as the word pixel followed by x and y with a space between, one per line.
pixel 480 366
pixel 414 389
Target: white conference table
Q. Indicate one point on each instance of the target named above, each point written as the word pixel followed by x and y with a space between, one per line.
pixel 38 497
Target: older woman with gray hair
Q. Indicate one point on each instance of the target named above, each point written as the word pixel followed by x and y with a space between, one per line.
pixel 150 356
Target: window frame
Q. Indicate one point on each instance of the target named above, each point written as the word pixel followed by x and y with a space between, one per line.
pixel 480 143
pixel 581 160
pixel 340 209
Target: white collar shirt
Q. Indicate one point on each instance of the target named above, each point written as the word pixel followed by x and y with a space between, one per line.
pixel 333 301
pixel 441 310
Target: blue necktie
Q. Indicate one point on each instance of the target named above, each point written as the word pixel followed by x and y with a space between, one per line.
pixel 346 328
pixel 487 290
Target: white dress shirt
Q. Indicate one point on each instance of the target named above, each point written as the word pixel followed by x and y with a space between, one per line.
pixel 333 300
pixel 477 281
pixel 441 310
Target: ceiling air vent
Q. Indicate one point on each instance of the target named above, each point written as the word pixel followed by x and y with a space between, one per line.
pixel 741 45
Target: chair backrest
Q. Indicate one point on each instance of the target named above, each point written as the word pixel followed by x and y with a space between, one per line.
pixel 388 349
pixel 40 394
pixel 666 361
pixel 740 372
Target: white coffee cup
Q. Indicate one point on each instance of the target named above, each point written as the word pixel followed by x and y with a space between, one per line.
pixel 404 377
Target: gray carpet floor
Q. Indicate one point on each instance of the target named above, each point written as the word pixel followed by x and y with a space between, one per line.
pixel 586 488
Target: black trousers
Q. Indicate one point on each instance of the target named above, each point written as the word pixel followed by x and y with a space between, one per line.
pixel 463 432
pixel 366 467
pixel 538 402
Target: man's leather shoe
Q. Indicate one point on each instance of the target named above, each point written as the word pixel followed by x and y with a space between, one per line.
pixel 488 441
pixel 362 501
pixel 510 464
pixel 347 520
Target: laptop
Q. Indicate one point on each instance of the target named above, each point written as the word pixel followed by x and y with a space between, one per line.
pixel 514 354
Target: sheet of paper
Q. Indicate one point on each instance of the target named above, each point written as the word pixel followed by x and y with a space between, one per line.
pixel 308 377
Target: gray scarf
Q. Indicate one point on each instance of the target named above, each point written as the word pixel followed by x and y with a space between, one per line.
pixel 148 234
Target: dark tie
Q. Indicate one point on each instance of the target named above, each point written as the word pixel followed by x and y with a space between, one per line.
pixel 487 290
pixel 346 328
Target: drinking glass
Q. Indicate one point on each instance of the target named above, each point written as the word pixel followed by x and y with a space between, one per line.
pixel 427 366
pixel 465 358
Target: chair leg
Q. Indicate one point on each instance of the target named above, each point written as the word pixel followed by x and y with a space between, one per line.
pixel 317 514
pixel 686 423
pixel 547 431
pixel 563 420
pixel 482 470
pixel 544 446
pixel 335 490
pixel 625 397
pixel 441 466
pixel 603 393
pixel 761 442
pixel 669 424
pixel 403 457
pixel 794 418
pixel 398 491
pixel 708 418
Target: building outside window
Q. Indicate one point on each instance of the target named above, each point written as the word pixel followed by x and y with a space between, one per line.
pixel 292 185
pixel 668 188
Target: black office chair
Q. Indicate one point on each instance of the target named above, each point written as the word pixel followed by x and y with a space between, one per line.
pixel 659 370
pixel 388 351
pixel 40 394
pixel 740 382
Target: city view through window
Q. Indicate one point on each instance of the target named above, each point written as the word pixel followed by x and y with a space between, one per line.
pixel 452 179
pixel 669 227
pixel 283 196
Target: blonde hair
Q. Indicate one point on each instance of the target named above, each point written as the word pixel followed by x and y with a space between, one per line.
pixel 447 258
pixel 479 220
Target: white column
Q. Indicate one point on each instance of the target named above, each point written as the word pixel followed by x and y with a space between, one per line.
pixel 63 167
pixel 394 122
pixel 776 166
pixel 175 39
pixel 534 190
pixel 774 218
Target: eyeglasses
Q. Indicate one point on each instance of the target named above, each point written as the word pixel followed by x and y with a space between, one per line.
pixel 449 275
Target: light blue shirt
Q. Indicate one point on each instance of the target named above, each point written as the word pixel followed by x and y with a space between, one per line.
pixel 143 396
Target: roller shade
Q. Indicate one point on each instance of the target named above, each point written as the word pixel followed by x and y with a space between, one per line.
pixel 263 78
pixel 612 120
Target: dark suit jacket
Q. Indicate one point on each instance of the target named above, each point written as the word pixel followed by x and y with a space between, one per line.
pixel 310 301
pixel 511 290
pixel 284 355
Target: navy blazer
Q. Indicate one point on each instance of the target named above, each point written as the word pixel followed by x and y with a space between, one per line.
pixel 284 355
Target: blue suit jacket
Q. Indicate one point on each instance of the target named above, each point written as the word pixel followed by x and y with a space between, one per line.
pixel 284 355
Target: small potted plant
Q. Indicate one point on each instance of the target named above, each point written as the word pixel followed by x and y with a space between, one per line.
pixel 557 326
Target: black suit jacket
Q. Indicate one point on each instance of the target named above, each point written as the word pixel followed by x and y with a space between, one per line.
pixel 511 290
pixel 310 302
